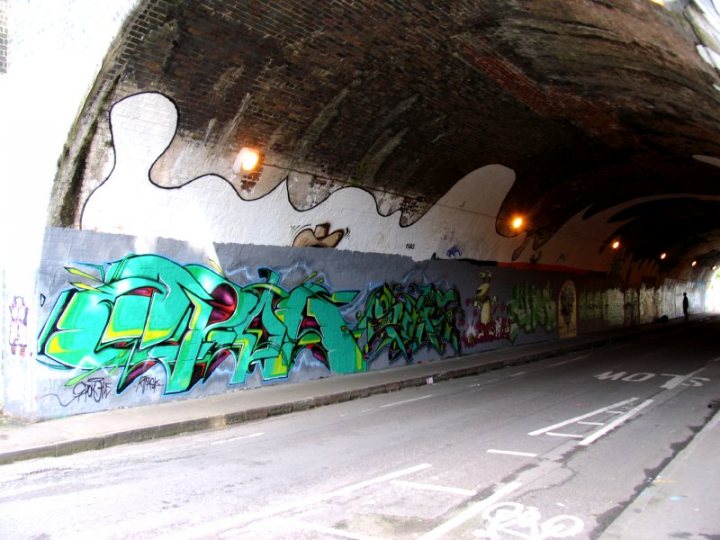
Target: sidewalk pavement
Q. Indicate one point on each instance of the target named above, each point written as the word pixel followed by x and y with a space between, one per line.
pixel 685 479
pixel 92 431
pixel 682 500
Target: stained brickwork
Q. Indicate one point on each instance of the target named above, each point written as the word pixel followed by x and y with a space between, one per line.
pixel 405 98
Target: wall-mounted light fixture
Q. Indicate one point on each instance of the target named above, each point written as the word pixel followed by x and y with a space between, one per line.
pixel 663 256
pixel 694 263
pixel 517 222
pixel 247 160
pixel 615 244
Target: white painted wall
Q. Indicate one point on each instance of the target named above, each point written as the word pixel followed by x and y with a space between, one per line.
pixel 55 50
pixel 207 209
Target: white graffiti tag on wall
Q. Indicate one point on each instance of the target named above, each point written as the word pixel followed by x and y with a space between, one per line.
pixel 505 519
pixel 18 326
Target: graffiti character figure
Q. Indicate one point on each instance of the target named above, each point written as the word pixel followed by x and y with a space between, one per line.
pixel 482 299
pixel 18 326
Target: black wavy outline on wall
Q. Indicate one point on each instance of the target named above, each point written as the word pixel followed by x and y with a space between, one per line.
pixel 284 181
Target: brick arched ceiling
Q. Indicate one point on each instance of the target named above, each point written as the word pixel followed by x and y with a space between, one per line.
pixel 592 103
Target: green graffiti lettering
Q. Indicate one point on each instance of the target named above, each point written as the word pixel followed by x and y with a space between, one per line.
pixel 405 319
pixel 530 308
pixel 146 310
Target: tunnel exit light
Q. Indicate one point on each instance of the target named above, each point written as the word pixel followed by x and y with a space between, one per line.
pixel 247 160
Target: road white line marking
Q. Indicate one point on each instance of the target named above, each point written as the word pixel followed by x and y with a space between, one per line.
pixel 470 512
pixel 568 361
pixel 581 417
pixel 252 436
pixel 212 528
pixel 569 435
pixel 321 529
pixel 484 383
pixel 433 487
pixel 511 453
pixel 584 423
pixel 615 423
pixel 677 381
pixel 518 374
pixel 405 401
pixel 615 412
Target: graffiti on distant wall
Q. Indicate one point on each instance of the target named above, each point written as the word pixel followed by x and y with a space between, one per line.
pixel 567 311
pixel 531 308
pixel 403 319
pixel 18 326
pixel 146 310
pixel 488 320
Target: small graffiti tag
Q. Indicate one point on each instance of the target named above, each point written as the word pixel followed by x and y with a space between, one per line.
pixel 94 389
pixel 148 384
pixel 18 326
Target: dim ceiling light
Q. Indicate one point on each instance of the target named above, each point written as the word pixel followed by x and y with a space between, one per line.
pixel 616 244
pixel 663 256
pixel 517 222
pixel 246 160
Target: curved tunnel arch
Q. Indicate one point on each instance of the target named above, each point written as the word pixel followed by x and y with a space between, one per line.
pixel 403 135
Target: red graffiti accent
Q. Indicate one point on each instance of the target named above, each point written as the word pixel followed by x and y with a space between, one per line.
pixel 224 303
pixel 135 372
pixel 143 291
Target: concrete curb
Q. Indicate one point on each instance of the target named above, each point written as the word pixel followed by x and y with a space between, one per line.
pixel 247 415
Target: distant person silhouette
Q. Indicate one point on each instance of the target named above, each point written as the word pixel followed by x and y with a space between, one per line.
pixel 686 305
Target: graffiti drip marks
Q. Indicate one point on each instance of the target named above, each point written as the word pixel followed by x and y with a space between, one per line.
pixel 146 310
pixel 405 319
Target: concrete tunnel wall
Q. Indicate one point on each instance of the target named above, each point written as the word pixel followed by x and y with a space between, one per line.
pixel 169 293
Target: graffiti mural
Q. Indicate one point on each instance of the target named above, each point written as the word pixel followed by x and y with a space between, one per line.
pixel 488 320
pixel 18 326
pixel 567 311
pixel 145 311
pixel 404 319
pixel 531 308
pixel 321 237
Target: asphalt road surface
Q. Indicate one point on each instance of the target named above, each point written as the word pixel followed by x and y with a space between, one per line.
pixel 551 449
